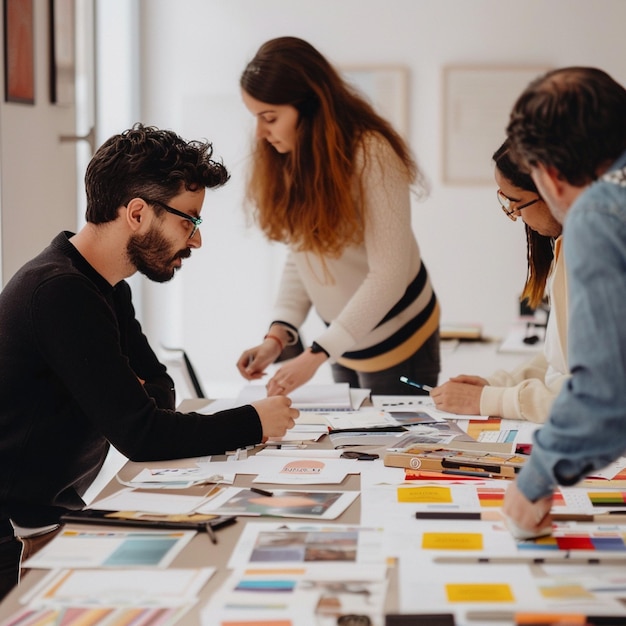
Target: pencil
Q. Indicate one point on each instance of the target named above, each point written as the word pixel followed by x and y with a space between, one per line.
pixel 210 532
pixel 545 619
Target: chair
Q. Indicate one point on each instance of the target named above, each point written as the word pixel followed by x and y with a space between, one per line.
pixel 189 373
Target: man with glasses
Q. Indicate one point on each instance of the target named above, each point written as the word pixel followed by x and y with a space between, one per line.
pixel 568 129
pixel 76 372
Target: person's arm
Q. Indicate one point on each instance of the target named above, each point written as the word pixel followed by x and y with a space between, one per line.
pixel 292 307
pixel 534 368
pixel 529 400
pixel 79 336
pixel 519 394
pixel 587 426
pixel 142 359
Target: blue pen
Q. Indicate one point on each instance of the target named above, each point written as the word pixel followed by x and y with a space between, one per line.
pixel 404 379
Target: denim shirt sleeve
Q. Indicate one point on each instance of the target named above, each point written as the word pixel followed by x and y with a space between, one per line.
pixel 586 429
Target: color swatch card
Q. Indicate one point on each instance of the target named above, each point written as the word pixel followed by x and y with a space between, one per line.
pixel 594 540
pixel 396 505
pixel 478 592
pixel 87 549
pixel 265 544
pixel 292 595
pixel 96 616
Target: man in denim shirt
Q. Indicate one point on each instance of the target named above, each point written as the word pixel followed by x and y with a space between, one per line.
pixel 568 128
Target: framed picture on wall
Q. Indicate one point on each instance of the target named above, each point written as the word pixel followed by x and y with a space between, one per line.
pixel 19 51
pixel 386 87
pixel 62 52
pixel 477 103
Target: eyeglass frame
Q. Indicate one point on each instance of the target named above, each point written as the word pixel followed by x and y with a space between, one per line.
pixel 511 214
pixel 196 221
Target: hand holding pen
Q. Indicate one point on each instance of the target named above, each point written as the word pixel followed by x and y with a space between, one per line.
pixel 460 395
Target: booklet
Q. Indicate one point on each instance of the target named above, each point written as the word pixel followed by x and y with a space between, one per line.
pixel 312 397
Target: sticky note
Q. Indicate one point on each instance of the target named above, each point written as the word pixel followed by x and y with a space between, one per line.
pixel 452 541
pixel 426 493
pixel 479 592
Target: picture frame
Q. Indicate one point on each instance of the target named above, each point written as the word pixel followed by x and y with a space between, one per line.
pixel 19 51
pixel 477 102
pixel 386 87
pixel 62 52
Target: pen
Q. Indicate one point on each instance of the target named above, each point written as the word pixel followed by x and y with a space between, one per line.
pixel 489 516
pixel 412 383
pixel 262 492
pixel 210 532
pixel 548 560
pixel 545 619
pixel 477 473
pixel 615 517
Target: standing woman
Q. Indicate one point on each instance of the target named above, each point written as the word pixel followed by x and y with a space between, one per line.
pixel 331 179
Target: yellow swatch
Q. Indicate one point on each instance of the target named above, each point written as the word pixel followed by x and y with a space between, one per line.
pixel 479 592
pixel 452 541
pixel 565 591
pixel 427 493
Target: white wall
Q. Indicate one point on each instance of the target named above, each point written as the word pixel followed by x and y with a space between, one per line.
pixel 192 53
pixel 38 172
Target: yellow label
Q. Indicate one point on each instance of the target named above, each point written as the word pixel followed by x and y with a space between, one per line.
pixel 452 541
pixel 427 493
pixel 479 592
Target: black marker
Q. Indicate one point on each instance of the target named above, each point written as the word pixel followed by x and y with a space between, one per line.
pixel 261 492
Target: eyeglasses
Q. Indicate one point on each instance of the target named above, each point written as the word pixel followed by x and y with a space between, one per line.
pixel 505 204
pixel 196 221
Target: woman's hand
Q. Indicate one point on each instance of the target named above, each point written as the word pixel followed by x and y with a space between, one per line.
pixel 252 362
pixel 295 373
pixel 460 395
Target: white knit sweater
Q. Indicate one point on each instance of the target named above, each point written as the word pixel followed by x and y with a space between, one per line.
pixel 354 292
pixel 528 392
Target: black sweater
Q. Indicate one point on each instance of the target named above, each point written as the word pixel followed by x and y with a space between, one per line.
pixel 71 356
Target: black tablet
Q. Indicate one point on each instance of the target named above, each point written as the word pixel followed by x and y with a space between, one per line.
pixel 110 518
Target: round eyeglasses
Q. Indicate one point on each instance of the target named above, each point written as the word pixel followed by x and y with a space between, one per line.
pixel 196 221
pixel 506 202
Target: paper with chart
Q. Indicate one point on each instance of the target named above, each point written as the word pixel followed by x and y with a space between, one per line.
pixel 135 587
pixel 90 549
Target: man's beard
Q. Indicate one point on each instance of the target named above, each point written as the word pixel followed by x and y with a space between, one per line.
pixel 151 255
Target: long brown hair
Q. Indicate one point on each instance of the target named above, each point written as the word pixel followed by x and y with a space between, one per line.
pixel 539 248
pixel 306 197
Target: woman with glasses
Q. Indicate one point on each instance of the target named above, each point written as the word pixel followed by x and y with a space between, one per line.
pixel 332 179
pixel 527 392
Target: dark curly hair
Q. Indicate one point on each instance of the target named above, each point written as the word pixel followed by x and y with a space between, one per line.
pixel 572 119
pixel 145 162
